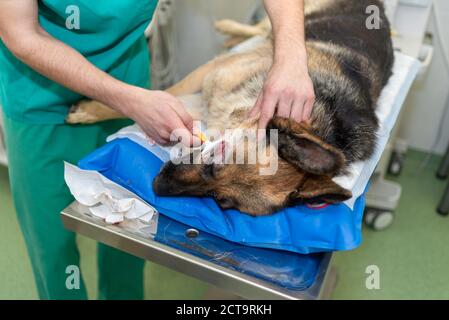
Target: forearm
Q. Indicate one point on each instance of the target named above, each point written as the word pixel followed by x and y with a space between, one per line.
pixel 64 65
pixel 288 90
pixel 287 19
pixel 158 113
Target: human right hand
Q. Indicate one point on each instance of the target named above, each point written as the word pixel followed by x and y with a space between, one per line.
pixel 162 117
pixel 158 113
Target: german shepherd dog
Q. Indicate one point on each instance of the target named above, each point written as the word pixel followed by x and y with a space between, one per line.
pixel 349 65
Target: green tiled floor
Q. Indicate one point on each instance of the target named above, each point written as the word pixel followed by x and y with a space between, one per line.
pixel 412 254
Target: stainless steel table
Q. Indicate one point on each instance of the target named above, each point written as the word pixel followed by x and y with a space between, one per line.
pixel 75 218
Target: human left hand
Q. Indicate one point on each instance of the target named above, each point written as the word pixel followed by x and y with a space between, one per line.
pixel 288 93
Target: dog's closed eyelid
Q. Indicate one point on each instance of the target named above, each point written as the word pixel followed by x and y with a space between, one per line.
pixel 225 203
pixel 208 172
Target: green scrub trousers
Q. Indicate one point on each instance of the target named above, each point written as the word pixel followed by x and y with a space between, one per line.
pixel 36 154
pixel 110 35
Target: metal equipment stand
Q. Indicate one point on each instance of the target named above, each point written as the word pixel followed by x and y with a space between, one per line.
pixel 443 172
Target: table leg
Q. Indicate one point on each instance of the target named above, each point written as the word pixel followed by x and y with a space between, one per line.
pixel 443 208
pixel 443 172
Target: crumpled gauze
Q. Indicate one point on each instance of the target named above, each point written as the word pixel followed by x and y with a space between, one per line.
pixel 104 198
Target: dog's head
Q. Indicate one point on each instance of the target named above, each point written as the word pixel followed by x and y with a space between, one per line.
pixel 305 167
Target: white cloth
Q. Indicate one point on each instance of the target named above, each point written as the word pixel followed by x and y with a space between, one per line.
pixel 104 198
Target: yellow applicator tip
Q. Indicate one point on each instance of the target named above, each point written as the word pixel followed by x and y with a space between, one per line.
pixel 202 137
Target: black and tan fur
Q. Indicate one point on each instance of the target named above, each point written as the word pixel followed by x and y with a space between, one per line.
pixel 349 65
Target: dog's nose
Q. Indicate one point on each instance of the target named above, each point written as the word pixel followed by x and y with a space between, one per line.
pixel 161 188
pixel 165 186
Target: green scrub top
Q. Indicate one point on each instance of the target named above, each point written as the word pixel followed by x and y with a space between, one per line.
pixel 110 34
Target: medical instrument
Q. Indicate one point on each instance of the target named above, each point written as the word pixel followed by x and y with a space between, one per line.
pixel 202 137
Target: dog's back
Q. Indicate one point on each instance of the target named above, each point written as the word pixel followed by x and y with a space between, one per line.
pixel 349 63
pixel 347 24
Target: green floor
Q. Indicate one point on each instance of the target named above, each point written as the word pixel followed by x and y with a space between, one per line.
pixel 411 255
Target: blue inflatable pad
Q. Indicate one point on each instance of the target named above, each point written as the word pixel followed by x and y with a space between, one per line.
pixel 287 269
pixel 299 229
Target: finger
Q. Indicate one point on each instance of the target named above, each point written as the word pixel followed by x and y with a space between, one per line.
pixel 197 142
pixel 185 117
pixel 165 136
pixel 181 135
pixel 160 130
pixel 267 111
pixel 256 109
pixel 160 140
pixel 173 121
pixel 297 110
pixel 284 108
pixel 307 111
pixel 152 135
pixel 190 140
pixel 179 132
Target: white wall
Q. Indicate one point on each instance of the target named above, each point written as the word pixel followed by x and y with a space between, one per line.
pixel 196 37
pixel 426 102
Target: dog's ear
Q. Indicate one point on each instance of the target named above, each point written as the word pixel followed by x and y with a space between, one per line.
pixel 299 146
pixel 319 189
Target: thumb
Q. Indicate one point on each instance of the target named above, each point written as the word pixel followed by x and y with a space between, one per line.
pixel 184 136
pixel 185 117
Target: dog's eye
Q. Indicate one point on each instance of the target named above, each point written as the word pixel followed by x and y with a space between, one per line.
pixel 226 203
pixel 207 172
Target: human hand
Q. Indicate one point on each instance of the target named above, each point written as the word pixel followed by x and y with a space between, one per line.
pixel 288 93
pixel 162 117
